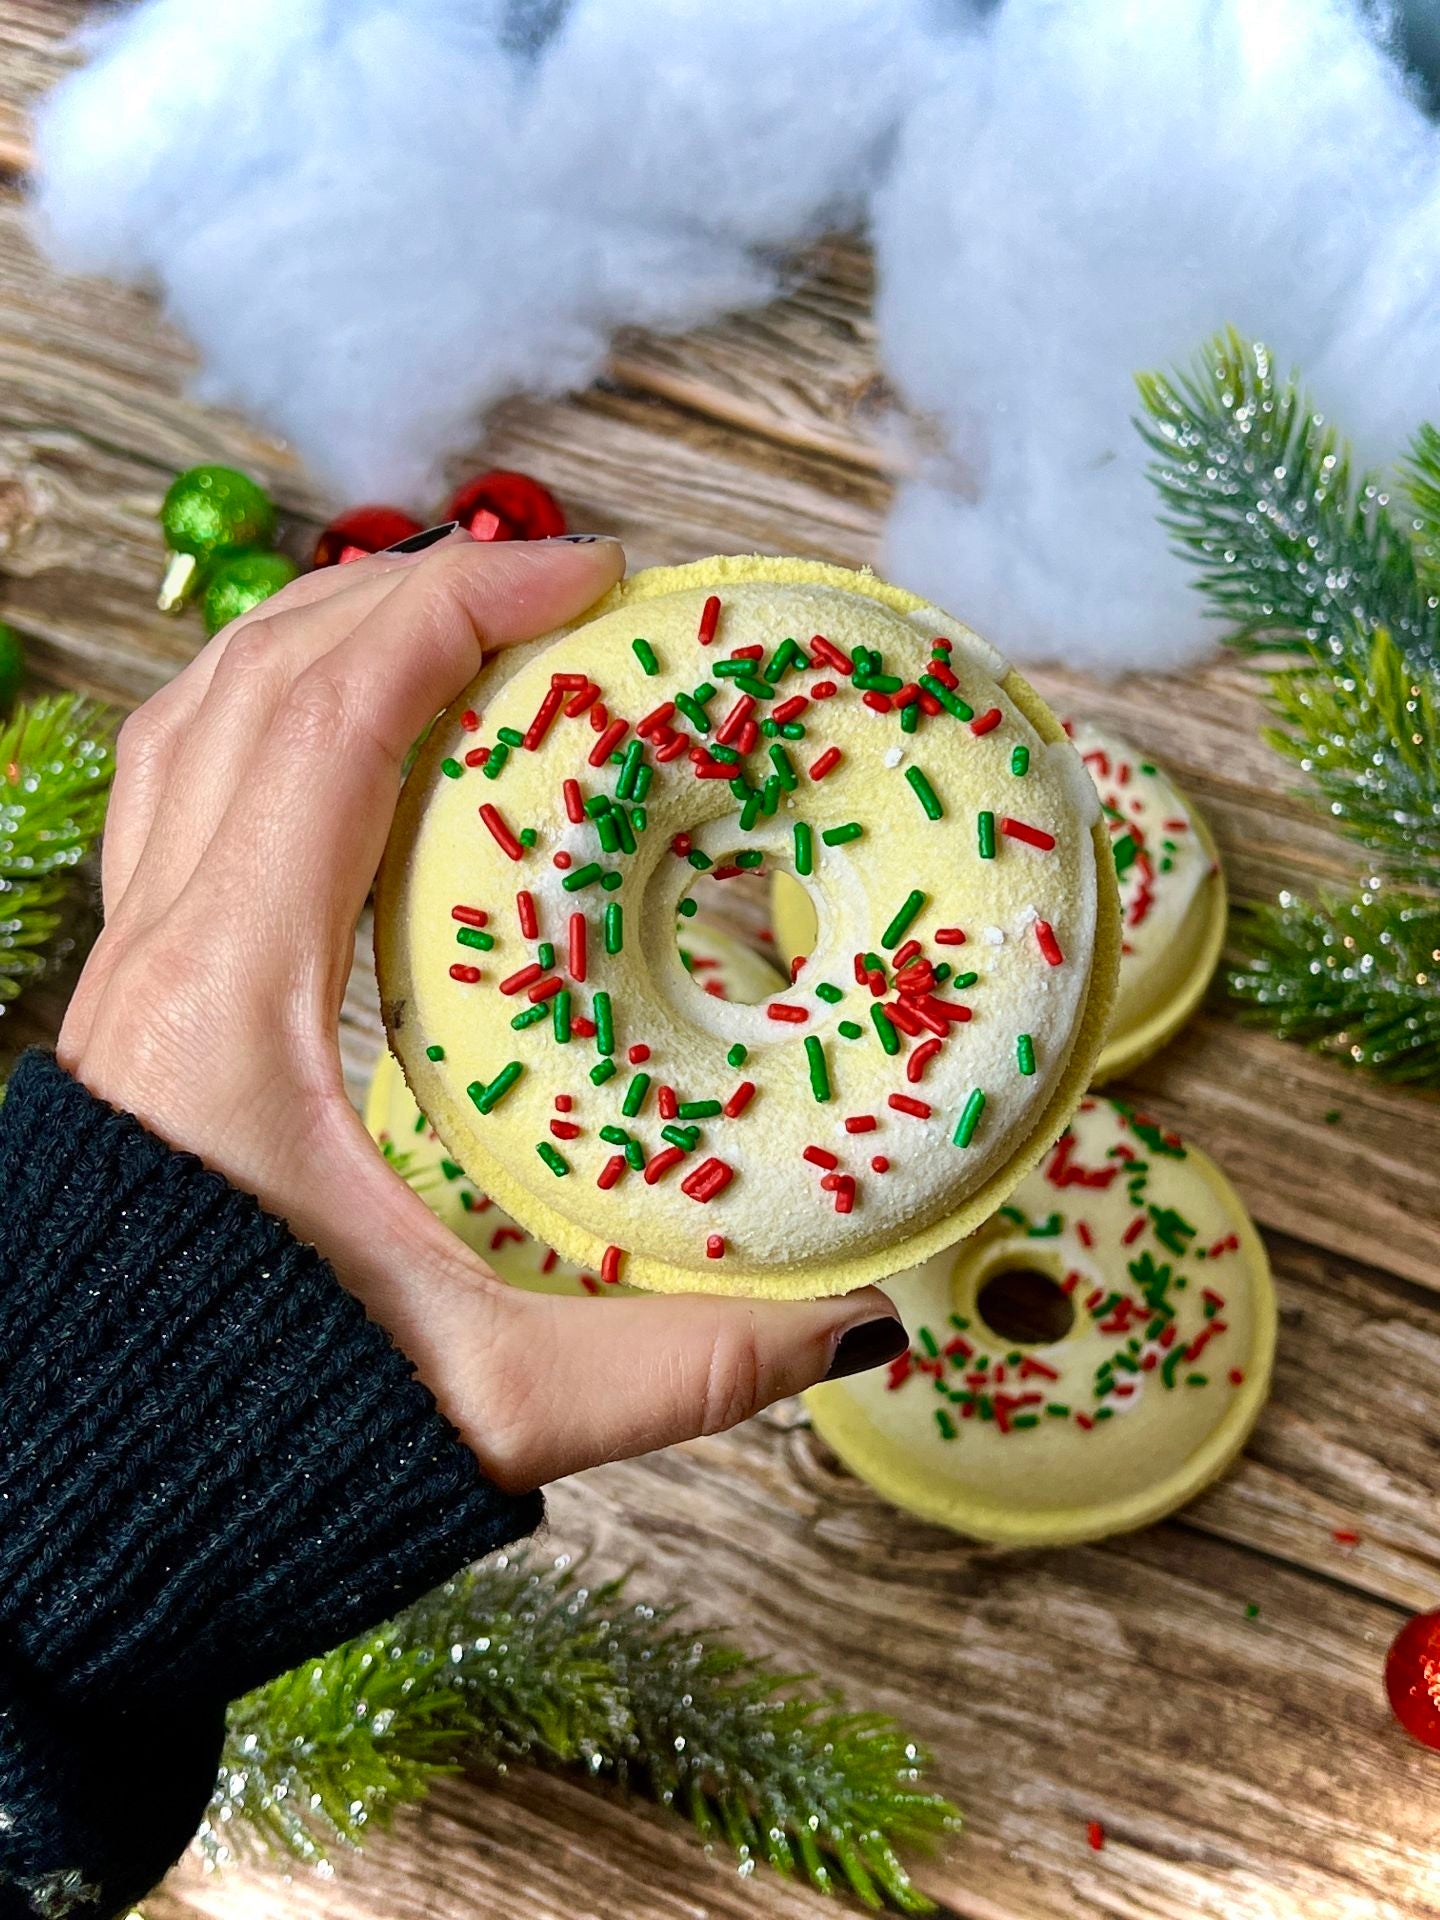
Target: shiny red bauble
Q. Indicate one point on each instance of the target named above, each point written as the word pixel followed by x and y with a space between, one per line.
pixel 501 505
pixel 362 530
pixel 1412 1678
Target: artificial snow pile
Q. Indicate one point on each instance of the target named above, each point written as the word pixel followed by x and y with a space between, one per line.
pixel 376 219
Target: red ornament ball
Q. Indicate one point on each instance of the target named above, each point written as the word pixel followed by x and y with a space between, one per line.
pixel 370 529
pixel 501 505
pixel 1412 1678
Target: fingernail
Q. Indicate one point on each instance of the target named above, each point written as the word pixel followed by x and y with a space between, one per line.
pixel 418 542
pixel 577 539
pixel 870 1344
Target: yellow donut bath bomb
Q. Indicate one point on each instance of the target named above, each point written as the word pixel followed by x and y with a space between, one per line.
pixel 1172 898
pixel 1089 1360
pixel 737 716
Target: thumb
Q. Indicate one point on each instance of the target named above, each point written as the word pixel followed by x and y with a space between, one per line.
pixel 565 1384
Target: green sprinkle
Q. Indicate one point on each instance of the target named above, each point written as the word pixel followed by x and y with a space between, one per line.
pixel 610 881
pixel 597 806
pixel 615 1136
pixel 579 877
pixel 1252 1611
pixel 786 655
pixel 686 1138
pixel 624 829
pixel 756 688
pixel 895 932
pixel 730 669
pixel 985 823
pixel 791 730
pixel 804 848
pixel 527 836
pixel 819 1073
pixel 488 1098
pixel 752 857
pixel 929 1342
pixel 699 1109
pixel 704 692
pixel 728 756
pixel 451 1170
pixel 784 768
pixel 629 767
pixel 545 954
pixel 642 782
pixel 750 812
pixel 561 1004
pixel 607 826
pixel 924 792
pixel 1124 850
pixel 961 980
pixel 700 861
pixel 688 908
pixel 1334 1117
pixel 510 737
pixel 951 702
pixel 849 1030
pixel 969 1119
pixel 910 717
pixel 645 654
pixel 553 1158
pixel 602 1071
pixel 635 1095
pixel 837 836
pixel 639 819
pixel 738 1054
pixel 889 1039
pixel 614 927
pixel 740 787
pixel 828 992
pixel 604 1024
pixel 1020 761
pixel 474 937
pixel 452 769
pixel 434 1053
pixel 1025 1053
pixel 946 1424
pixel 693 712
pixel 495 761
pixel 634 1154
pixel 531 1017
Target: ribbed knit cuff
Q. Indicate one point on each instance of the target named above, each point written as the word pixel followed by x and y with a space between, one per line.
pixel 212 1465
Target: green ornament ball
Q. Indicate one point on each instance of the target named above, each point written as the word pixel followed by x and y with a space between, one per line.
pixel 213 510
pixel 242 582
pixel 12 666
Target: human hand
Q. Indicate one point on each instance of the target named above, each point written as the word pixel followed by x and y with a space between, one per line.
pixel 250 809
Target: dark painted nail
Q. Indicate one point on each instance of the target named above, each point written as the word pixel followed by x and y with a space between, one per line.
pixel 418 542
pixel 577 539
pixel 870 1344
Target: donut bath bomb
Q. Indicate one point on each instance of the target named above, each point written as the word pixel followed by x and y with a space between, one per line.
pixel 1172 897
pixel 1088 1361
pixel 743 715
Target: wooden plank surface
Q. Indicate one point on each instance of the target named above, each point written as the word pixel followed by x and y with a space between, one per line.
pixel 1241 1767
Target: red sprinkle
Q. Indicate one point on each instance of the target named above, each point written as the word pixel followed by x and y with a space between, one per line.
pixel 561 860
pixel 845 1194
pixel 709 1178
pixel 545 989
pixel 822 765
pixel 477 756
pixel 470 720
pixel 948 937
pixel 525 908
pixel 920 1059
pixel 469 916
pixel 709 619
pixel 1032 836
pixel 581 700
pixel 526 977
pixel 563 1103
pixel 673 749
pixel 876 701
pixel 880 1164
pixel 599 717
pixel 822 649
pixel 503 837
pixel 1095 1834
pixel 659 1164
pixel 544 715
pixel 790 709
pixel 906 954
pixel 577 946
pixel 821 1157
pixel 467 975
pixel 1048 944
pixel 902 1103
pixel 668 1103
pixel 861 1123
pixel 735 719
pixel 654 719
pixel 638 1054
pixel 824 690
pixel 608 741
pixel 715 1247
pixel 613 1168
pixel 739 1100
pixel 1133 1232
pixel 780 1010
pixel 986 722
pixel 574 802
pixel 610 1264
pixel 565 1130
pixel 1343 1537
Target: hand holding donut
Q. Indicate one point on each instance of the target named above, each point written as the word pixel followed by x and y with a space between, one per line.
pixel 251 806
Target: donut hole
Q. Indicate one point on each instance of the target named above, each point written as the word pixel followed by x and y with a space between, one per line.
pixel 734 900
pixel 1025 1307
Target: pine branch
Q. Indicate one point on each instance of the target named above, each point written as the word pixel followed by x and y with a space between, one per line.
pixel 56 763
pixel 1354 977
pixel 1422 483
pixel 1295 551
pixel 508 1664
pixel 1370 743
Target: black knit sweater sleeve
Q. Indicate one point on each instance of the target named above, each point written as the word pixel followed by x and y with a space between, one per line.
pixel 212 1466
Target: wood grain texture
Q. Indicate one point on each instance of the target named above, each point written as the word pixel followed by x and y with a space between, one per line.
pixel 1244 1769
